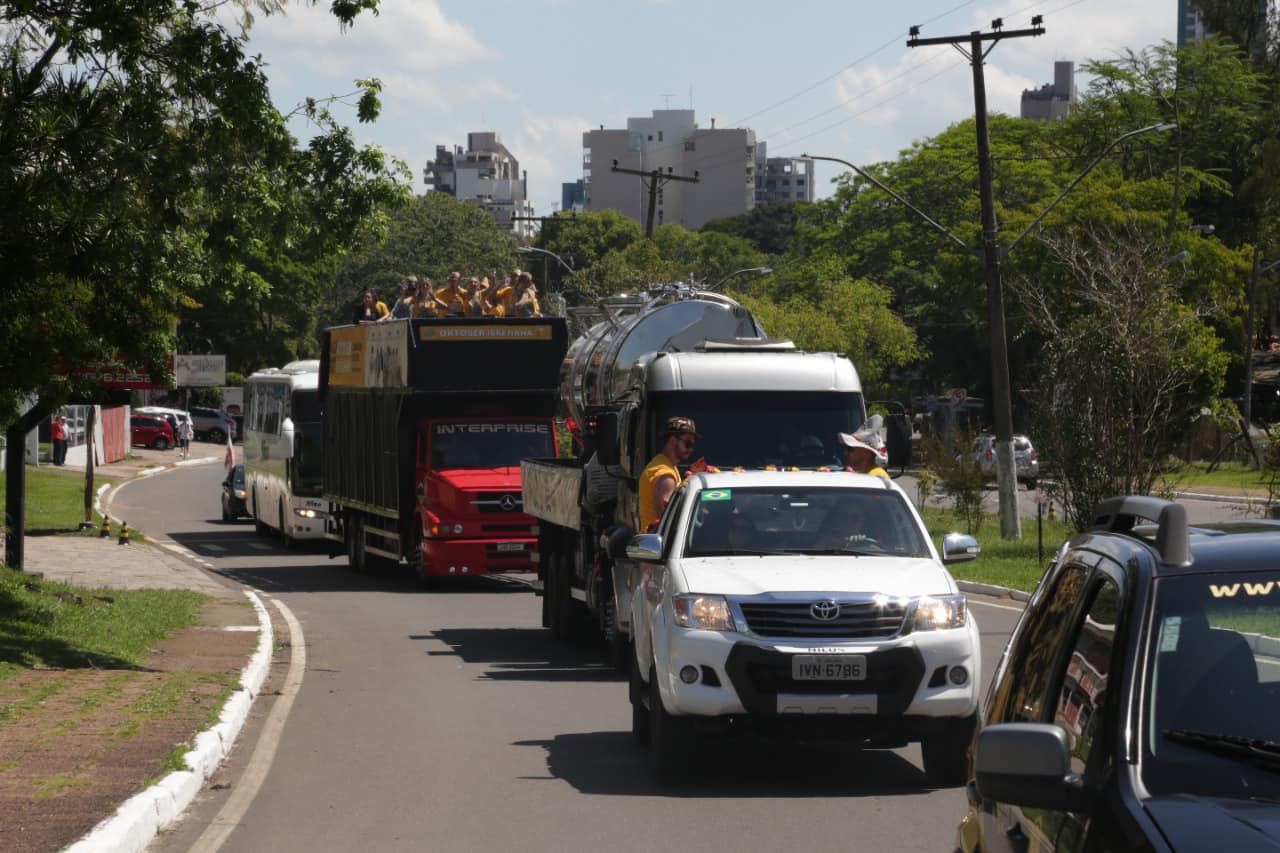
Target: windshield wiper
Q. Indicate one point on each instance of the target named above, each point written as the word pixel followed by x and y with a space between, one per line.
pixel 1263 752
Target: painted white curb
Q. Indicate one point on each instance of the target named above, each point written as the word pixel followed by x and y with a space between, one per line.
pixel 138 821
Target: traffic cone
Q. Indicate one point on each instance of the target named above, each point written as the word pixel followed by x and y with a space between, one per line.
pixel 105 532
pixel 124 534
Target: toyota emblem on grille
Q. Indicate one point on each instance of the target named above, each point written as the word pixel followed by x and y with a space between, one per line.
pixel 507 502
pixel 825 610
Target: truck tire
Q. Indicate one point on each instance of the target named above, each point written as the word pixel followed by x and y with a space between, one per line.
pixel 356 558
pixel 617 646
pixel 639 709
pixel 946 755
pixel 669 739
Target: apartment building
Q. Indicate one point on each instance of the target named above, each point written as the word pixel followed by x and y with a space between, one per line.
pixel 782 178
pixel 1052 101
pixel 487 174
pixel 671 141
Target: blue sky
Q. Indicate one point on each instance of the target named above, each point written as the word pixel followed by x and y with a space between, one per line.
pixel 808 76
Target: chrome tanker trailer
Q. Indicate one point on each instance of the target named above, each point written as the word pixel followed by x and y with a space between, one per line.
pixel 639 360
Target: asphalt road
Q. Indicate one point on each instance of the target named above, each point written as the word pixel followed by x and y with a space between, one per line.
pixel 449 721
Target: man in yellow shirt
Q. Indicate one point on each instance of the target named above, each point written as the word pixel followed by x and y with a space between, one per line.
pixel 660 477
pixel 453 296
pixel 861 455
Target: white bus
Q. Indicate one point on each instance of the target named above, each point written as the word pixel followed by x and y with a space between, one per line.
pixel 282 451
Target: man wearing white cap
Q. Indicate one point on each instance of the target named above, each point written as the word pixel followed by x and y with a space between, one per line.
pixel 860 455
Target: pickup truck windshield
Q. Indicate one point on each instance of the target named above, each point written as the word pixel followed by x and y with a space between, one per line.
pixel 753 430
pixel 489 444
pixel 780 520
pixel 1213 722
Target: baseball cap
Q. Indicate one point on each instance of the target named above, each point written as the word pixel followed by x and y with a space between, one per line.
pixel 680 425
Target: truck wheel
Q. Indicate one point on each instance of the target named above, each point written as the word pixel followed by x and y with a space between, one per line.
pixel 616 644
pixel 946 755
pixel 639 710
pixel 668 736
pixel 355 544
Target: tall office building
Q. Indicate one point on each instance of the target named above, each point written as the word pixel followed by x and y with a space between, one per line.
pixel 1052 101
pixel 1191 28
pixel 671 141
pixel 486 174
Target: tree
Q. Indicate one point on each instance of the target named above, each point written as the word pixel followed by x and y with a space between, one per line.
pixel 775 228
pixel 821 308
pixel 143 167
pixel 1127 366
pixel 433 235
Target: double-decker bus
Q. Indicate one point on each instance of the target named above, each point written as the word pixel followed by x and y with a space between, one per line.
pixel 282 451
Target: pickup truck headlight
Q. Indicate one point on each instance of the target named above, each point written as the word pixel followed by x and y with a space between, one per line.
pixel 708 612
pixel 941 611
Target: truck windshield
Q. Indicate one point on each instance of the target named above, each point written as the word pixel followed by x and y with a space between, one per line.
pixel 755 429
pixel 489 444
pixel 802 520
pixel 1213 704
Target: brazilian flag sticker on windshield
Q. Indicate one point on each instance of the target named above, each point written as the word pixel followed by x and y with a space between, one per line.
pixel 717 495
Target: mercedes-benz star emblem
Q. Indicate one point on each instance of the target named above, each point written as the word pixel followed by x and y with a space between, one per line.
pixel 507 502
pixel 825 610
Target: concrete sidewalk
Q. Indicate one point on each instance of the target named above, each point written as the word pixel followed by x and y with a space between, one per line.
pixel 92 562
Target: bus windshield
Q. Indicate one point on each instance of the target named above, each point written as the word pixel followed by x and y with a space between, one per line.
pixel 489 444
pixel 752 429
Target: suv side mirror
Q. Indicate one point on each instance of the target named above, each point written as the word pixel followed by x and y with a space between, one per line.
pixel 606 438
pixel 1028 764
pixel 647 548
pixel 959 547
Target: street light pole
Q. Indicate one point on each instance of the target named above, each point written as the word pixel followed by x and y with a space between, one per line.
pixel 759 270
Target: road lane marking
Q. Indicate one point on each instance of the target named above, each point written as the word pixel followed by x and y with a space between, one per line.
pixel 264 751
pixel 996 606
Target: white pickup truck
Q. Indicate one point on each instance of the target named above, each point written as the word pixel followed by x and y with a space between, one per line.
pixel 803 603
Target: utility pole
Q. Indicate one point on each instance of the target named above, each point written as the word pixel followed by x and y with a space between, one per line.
pixel 1002 403
pixel 656 178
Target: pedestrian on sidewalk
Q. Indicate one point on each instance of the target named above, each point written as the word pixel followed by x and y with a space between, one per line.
pixel 185 434
pixel 58 435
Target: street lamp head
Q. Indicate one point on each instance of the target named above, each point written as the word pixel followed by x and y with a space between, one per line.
pixel 1203 229
pixel 1178 258
pixel 1161 128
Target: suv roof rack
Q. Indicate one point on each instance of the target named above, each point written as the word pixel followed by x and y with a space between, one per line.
pixel 1119 515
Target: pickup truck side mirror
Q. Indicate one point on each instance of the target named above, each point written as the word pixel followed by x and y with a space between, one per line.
pixel 959 547
pixel 647 548
pixel 1028 764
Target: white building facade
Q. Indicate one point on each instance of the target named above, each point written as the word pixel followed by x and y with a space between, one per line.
pixel 670 141
pixel 486 174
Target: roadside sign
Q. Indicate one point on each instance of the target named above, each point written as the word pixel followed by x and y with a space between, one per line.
pixel 199 371
pixel 958 396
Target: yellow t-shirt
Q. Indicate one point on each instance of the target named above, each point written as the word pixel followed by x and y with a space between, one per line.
pixel 457 302
pixel 506 298
pixel 659 466
pixel 877 471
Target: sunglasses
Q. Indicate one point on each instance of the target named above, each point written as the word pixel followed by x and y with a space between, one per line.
pixel 688 442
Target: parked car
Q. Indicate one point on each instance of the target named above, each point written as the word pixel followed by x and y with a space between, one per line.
pixel 1137 704
pixel 806 604
pixel 233 506
pixel 212 424
pixel 1024 458
pixel 170 415
pixel 151 431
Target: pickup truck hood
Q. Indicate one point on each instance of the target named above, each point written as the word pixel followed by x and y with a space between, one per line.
pixel 1208 823
pixel 896 576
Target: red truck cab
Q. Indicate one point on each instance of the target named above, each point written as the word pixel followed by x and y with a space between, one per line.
pixel 469 497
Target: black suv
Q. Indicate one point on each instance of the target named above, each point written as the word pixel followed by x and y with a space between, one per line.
pixel 1137 704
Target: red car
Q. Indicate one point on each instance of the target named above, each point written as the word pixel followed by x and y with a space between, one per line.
pixel 151 431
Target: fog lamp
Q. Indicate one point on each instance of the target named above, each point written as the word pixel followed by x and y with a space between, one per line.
pixel 688 674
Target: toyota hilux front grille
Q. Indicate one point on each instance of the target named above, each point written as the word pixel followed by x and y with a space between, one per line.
pixel 852 621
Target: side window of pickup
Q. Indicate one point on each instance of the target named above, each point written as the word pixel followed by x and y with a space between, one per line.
pixel 1082 687
pixel 1023 691
pixel 667 525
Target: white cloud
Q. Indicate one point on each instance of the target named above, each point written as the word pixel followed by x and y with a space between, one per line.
pixel 406 35
pixel 549 148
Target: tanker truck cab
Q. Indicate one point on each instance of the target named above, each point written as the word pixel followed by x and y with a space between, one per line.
pixel 468 491
pixel 756 406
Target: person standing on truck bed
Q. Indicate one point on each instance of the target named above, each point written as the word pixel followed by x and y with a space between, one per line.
pixel 660 477
pixel 370 309
pixel 452 296
pixel 525 298
pixel 403 308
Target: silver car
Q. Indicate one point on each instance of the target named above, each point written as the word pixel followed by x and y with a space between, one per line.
pixel 1024 458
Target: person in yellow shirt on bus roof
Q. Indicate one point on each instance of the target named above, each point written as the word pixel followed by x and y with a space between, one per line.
pixel 524 298
pixel 661 476
pixel 453 297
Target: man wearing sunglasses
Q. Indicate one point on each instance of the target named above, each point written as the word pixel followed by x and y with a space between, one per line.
pixel 660 477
